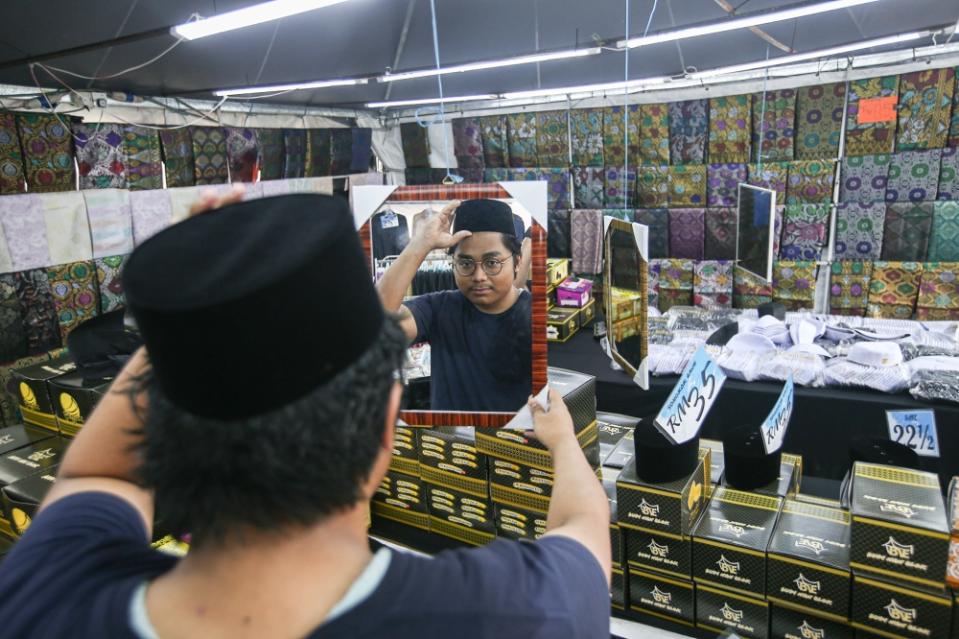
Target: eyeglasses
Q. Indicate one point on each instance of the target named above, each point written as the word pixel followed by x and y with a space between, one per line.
pixel 491 266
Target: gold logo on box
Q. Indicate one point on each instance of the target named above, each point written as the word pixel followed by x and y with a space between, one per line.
pixel 806 585
pixel 71 410
pixel 808 632
pixel 656 550
pixel 898 613
pixel 648 509
pixel 661 597
pixel 21 520
pixel 731 614
pixel 728 567
pixel 29 399
pixel 901 551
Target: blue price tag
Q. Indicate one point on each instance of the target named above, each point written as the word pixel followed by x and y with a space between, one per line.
pixel 774 428
pixel 686 408
pixel 915 429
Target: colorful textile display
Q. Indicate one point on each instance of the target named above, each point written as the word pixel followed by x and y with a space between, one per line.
pixel 859 230
pixel 320 152
pixel 589 187
pixel 522 140
pixel 39 311
pixel 74 294
pixel 794 284
pixel 687 229
pixel 906 232
pixel 341 151
pixel 938 292
pixel 949 175
pixel 713 284
pixel 13 334
pixel 810 182
pixel 687 186
pixel 614 135
pixel 151 211
pixel 749 291
pixel 913 176
pixel 773 176
pixel 586 240
pixel 864 178
pixel 468 143
pixel 100 157
pixel 586 136
pixel 652 186
pixel 489 175
pixel 652 282
pixel 109 284
pixel 22 220
pixel 804 231
pixel 271 153
pixel 558 235
pixel 209 155
pixel 177 147
pixel 819 121
pixel 720 242
pixel 11 157
pixel 944 238
pixel 557 182
pixel 658 222
pixel 849 287
pixel 242 152
pixel 925 100
pixel 48 152
pixel 894 289
pixel 294 153
pixel 774 123
pixel 141 148
pixel 552 138
pixel 730 128
pixel 675 283
pixel 416 147
pixel 953 140
pixel 653 134
pixel 722 184
pixel 688 131
pixel 494 130
pixel 870 137
pixel 620 188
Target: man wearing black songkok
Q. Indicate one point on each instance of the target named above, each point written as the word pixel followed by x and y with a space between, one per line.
pixel 479 335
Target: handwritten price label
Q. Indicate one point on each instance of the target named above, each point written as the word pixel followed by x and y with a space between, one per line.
pixel 774 428
pixel 686 408
pixel 915 429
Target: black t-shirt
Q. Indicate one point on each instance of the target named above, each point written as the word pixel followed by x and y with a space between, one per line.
pixel 479 362
pixel 75 571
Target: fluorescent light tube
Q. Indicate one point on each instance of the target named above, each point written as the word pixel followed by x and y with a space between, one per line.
pixel 282 88
pixel 585 88
pixel 492 64
pixel 256 14
pixel 427 101
pixel 741 23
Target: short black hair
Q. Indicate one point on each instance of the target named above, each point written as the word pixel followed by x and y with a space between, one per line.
pixel 292 466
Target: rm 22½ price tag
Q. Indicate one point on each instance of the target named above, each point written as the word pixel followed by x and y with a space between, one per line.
pixel 915 429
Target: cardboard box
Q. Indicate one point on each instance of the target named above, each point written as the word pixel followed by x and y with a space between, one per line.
pixel 808 560
pixel 730 541
pixel 406 458
pixel 517 523
pixel 719 610
pixel 663 597
pixel 899 525
pixel 587 313
pixel 574 292
pixel 892 610
pixel 618 589
pixel 74 398
pixel 463 509
pixel 401 498
pixel 448 457
pixel 656 551
pixel 22 498
pixel 557 270
pixel 36 404
pixel 671 507
pixel 561 323
pixel 794 624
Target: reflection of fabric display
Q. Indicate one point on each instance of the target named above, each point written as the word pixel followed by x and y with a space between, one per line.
pixel 586 233
pixel 552 138
pixel 390 234
pixel 242 152
pixel 675 283
pixel 906 231
pixel 864 178
pixel 773 176
pixel 341 151
pixel 493 129
pixel 652 286
pixel 39 312
pixel 100 159
pixel 723 184
pixel 849 287
pixel 13 335
pixel 589 187
pixel 11 157
pixel 810 182
pixel 653 134
pixel 749 291
pixel 468 143
pixel 620 187
pixel 614 135
pixel 729 129
pixel 522 139
pixel 688 130
pixel 944 238
pixel 151 212
pixel 949 175
pixel 23 225
pixel 913 176
pixel 938 292
pixel 74 294
pixel 361 151
pixel 557 238
pixel 475 176
pixel 804 231
pixel 625 215
pixel 713 284
pixel 490 175
pixel 294 153
pixel 658 222
pixel 586 136
pixel 687 233
pixel 894 289
pixel 652 186
pixel 432 277
pixel 416 149
pixel 141 148
pixel 177 147
pixel 954 122
pixel 774 118
pixel 111 221
pixel 557 182
pixel 271 153
pixel 720 241
pixel 794 283
pixel 870 137
pixel 819 120
pixel 209 155
pixel 48 152
pixel 109 284
pixel 925 99
pixel 687 186
pixel 318 159
pixel 859 229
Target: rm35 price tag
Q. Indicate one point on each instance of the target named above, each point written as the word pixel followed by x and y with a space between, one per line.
pixel 688 404
pixel 915 429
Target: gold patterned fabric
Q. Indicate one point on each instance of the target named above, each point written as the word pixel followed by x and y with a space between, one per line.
pixel 925 100
pixel 939 292
pixel 730 129
pixel 687 186
pixel 849 287
pixel 894 289
pixel 870 137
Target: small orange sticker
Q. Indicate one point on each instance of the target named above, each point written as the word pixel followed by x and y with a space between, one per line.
pixel 877 110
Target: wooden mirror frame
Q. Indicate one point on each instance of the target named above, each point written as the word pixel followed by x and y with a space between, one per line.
pixel 640 233
pixel 538 292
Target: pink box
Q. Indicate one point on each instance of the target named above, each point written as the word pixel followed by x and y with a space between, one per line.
pixel 574 292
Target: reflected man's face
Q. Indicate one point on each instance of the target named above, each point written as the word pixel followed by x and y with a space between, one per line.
pixel 487 292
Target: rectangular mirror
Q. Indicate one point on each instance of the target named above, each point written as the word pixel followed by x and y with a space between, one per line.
pixel 754 231
pixel 626 282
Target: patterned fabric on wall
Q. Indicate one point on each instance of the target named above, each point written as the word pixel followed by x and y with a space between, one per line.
pixel 209 155
pixel 859 229
pixel 713 284
pixel 586 229
pixel 496 175
pixel 589 187
pixel 416 148
pixel 849 287
pixel 675 283
pixel 688 130
pixel 468 143
pixel 39 311
pixel 938 293
pixel 773 176
pixel 271 153
pixel 906 232
pixel 804 231
pixel 100 157
pixel 925 100
pixel 864 178
pixel 720 234
pixel 177 146
pixel 614 135
pixel 522 140
pixel 949 175
pixel 872 137
pixel 294 153
pixel 954 122
pixel 944 239
pixel 658 222
pixel 361 150
pixel 687 186
pixel 341 151
pixel 557 182
pixel 24 229
pixel 475 176
pixel 687 229
pixel 13 334
pixel 749 291
pixel 319 142
pixel 557 238
pixel 242 152
pixel 722 188
pixel 774 123
pixel 794 283
pixel 653 134
pixel 894 289
pixel 494 130
pixel 811 182
pixel 913 176
pixel 11 157
pixel 652 186
pixel 48 152
pixel 151 211
pixel 141 146
pixel 729 129
pixel 620 190
pixel 109 283
pixel 586 136
pixel 74 294
pixel 819 121
pixel 552 138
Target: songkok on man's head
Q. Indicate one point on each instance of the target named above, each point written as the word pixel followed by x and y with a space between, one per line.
pixel 481 216
pixel 252 306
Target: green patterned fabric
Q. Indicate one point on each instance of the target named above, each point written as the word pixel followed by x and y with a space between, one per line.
pixel 48 152
pixel 177 146
pixel 494 129
pixel 586 136
pixel 522 140
pixel 925 99
pixel 11 157
pixel 654 134
pixel 614 135
pixel 810 182
pixel 819 121
pixel 652 186
pixel 687 186
pixel 944 240
pixel 271 153
pixel 552 138
pixel 871 137
pixel 774 125
pixel 141 146
pixel 209 155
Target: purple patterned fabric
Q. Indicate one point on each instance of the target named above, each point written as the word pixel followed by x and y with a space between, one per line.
pixel 687 233
pixel 720 241
pixel 468 143
pixel 913 176
pixel 722 184
pixel 688 130
pixel 586 228
pixel 864 178
pixel 804 232
pixel 771 175
pixel 859 230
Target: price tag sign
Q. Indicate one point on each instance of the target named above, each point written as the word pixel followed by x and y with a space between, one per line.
pixel 915 429
pixel 874 110
pixel 774 428
pixel 686 408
